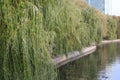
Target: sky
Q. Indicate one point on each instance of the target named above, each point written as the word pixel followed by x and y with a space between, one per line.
pixel 114 7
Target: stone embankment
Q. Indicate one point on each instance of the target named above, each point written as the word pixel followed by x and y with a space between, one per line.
pixel 71 56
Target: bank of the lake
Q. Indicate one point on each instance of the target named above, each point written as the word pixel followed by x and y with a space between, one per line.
pixel 103 64
pixel 32 32
pixel 64 59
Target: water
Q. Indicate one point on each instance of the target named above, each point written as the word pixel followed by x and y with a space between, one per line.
pixel 104 64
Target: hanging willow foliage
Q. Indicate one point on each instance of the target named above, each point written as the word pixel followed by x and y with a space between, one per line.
pixel 92 21
pixel 24 45
pixel 74 28
pixel 112 28
pixel 117 19
pixel 65 19
pixel 31 31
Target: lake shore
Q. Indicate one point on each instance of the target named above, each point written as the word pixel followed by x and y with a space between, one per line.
pixel 71 56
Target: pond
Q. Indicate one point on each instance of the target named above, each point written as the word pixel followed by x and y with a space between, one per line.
pixel 103 64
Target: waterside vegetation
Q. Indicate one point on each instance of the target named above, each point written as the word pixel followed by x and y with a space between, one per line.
pixel 34 31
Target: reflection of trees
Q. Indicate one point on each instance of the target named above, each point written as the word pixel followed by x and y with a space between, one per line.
pixel 87 68
pixel 84 68
pixel 111 52
pixel 118 49
pixel 108 54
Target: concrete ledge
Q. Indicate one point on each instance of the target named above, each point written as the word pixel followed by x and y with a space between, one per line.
pixel 64 59
pixel 110 41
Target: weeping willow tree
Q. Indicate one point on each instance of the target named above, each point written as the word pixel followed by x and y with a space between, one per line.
pixel 24 45
pixel 117 19
pixel 118 27
pixel 103 23
pixel 92 21
pixel 112 28
pixel 64 18
pixel 31 31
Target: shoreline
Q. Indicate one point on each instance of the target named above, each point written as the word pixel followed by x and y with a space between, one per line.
pixel 110 41
pixel 71 56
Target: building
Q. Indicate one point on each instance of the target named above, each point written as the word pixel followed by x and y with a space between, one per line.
pixel 98 4
pixel 108 7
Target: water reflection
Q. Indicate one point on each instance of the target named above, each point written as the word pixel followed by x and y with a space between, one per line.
pixel 104 64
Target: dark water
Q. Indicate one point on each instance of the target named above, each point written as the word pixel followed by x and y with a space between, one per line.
pixel 104 64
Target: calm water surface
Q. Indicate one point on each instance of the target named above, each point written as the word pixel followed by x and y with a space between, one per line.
pixel 104 64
